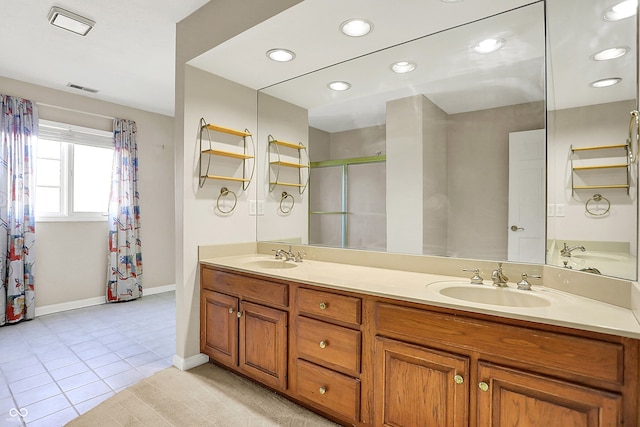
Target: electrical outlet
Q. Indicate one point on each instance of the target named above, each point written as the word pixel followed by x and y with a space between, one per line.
pixel 252 207
pixel 551 210
pixel 560 209
pixel 260 207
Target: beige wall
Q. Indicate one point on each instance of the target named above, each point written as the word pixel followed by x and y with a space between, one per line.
pixel 212 24
pixel 72 256
pixel 602 124
pixel 478 177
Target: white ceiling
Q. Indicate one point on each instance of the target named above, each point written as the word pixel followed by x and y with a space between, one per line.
pixel 129 55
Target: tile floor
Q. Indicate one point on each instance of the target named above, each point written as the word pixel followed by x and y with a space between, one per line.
pixel 58 366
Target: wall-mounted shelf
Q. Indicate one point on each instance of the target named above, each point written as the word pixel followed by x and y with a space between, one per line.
pixel 208 154
pixel 278 165
pixel 586 163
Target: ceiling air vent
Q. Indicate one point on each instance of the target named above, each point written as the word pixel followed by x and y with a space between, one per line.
pixel 86 89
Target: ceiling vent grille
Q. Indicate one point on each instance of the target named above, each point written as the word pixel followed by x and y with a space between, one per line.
pixel 86 89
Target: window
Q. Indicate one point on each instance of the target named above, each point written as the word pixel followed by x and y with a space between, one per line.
pixel 73 172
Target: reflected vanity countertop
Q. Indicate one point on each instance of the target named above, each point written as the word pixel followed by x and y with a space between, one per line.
pixel 548 305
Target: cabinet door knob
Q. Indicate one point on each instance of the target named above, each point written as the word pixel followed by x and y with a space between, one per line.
pixel 239 314
pixel 483 386
pixel 230 310
pixel 458 379
pixel 323 306
pixel 323 344
pixel 322 390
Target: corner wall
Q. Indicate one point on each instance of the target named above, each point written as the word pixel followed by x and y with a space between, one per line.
pixel 209 26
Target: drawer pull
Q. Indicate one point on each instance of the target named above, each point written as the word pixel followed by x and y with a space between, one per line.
pixel 483 386
pixel 323 306
pixel 458 379
pixel 323 344
pixel 322 390
pixel 239 314
pixel 230 310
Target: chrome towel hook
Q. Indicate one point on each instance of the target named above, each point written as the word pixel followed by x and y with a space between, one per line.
pixel 282 206
pixel 224 192
pixel 595 208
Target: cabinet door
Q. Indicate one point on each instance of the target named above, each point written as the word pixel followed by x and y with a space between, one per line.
pixel 417 386
pixel 219 327
pixel 263 344
pixel 511 398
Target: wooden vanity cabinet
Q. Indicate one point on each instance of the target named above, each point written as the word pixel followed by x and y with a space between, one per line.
pixel 326 348
pixel 468 371
pixel 363 360
pixel 239 330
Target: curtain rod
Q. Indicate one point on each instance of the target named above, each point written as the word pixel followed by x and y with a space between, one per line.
pixel 75 111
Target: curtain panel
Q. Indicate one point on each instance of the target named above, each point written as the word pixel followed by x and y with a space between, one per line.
pixel 18 130
pixel 125 248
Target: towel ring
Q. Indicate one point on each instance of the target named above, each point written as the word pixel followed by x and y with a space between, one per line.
pixel 224 191
pixel 284 197
pixel 597 198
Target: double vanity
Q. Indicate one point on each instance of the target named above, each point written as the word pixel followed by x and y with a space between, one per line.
pixel 368 344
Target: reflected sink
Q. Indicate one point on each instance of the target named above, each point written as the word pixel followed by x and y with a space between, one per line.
pixel 486 294
pixel 270 264
pixel 598 256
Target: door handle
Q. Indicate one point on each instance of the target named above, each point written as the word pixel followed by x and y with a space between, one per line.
pixel 516 228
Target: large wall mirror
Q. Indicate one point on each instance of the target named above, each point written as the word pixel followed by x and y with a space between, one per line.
pixel 484 150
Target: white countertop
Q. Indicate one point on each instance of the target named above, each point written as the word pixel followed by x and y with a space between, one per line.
pixel 563 309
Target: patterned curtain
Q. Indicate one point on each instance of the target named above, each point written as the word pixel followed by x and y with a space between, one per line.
pixel 18 130
pixel 125 250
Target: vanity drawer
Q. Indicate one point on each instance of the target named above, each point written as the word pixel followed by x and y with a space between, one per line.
pixel 249 288
pixel 333 391
pixel 330 306
pixel 568 356
pixel 329 345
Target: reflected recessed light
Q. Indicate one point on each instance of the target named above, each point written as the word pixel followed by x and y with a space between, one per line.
pixel 606 82
pixel 489 45
pixel 402 67
pixel 281 55
pixel 621 10
pixel 613 53
pixel 356 27
pixel 339 86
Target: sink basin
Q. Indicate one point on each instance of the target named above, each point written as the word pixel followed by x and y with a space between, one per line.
pixel 270 264
pixel 598 256
pixel 485 294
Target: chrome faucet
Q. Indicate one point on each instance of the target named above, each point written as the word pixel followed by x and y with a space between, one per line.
pixel 286 255
pixel 498 277
pixel 566 251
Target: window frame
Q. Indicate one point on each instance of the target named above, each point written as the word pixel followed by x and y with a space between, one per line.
pixel 69 136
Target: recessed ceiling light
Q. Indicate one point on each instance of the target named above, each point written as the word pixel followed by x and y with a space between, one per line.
pixel 621 10
pixel 281 55
pixel 402 67
pixel 606 82
pixel 489 45
pixel 356 27
pixel 613 53
pixel 70 21
pixel 339 86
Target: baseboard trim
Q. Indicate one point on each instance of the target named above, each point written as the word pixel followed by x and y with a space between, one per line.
pixel 189 362
pixel 88 302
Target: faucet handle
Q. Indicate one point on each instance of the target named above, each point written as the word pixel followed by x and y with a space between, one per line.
pixel 524 284
pixel 475 279
pixel 300 255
